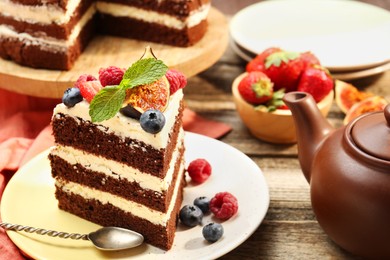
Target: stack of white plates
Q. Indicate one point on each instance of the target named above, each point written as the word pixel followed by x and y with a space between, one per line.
pixel 350 38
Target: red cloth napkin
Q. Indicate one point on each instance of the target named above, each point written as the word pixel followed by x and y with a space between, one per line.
pixel 25 131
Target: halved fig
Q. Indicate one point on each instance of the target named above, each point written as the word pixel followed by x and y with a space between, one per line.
pixel 347 95
pixel 371 104
pixel 149 96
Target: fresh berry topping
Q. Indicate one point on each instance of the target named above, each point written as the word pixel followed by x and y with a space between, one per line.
pixel 199 170
pixel 224 205
pixel 212 232
pixel 176 79
pixel 256 88
pixel 258 63
pixel 83 78
pixel 203 203
pixel 316 80
pixel 89 89
pixel 284 69
pixel 110 76
pixel 191 215
pixel 152 121
pixel 71 97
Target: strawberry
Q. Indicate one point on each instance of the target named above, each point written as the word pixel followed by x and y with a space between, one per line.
pixel 284 107
pixel 309 59
pixel 256 88
pixel 317 81
pixel 284 69
pixel 89 89
pixel 257 64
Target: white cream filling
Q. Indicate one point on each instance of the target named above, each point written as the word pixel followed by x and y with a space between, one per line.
pixel 47 14
pixel 139 210
pixel 123 126
pixel 43 14
pixel 119 10
pixel 122 171
pixel 49 42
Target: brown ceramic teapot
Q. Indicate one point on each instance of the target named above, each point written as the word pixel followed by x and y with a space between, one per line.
pixel 349 174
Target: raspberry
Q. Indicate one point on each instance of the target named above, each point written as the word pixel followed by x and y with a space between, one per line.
pixel 84 78
pixel 89 89
pixel 199 170
pixel 224 205
pixel 110 76
pixel 176 79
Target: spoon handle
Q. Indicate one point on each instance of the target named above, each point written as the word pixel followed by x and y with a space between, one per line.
pixel 42 231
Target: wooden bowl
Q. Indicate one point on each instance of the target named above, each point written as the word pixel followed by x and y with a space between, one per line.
pixel 275 127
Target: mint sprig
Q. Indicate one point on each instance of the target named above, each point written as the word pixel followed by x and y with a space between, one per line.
pixel 109 100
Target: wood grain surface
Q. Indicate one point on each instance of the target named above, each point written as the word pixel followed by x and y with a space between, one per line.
pixel 104 51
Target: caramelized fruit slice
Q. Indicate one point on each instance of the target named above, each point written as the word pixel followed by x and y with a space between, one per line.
pixel 347 95
pixel 375 103
pixel 150 96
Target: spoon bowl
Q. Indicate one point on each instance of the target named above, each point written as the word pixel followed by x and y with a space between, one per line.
pixel 115 238
pixel 106 238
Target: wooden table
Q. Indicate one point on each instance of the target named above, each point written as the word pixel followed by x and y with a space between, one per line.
pixel 290 229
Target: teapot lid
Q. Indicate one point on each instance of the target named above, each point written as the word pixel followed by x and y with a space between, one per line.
pixel 371 134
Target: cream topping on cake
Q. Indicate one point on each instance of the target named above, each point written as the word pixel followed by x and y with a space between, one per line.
pixel 43 14
pixel 118 170
pixel 49 42
pixel 115 9
pixel 139 210
pixel 124 126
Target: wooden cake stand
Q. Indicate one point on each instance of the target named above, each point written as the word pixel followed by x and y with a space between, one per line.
pixel 104 51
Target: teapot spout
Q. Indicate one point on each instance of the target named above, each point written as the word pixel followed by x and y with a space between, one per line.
pixel 312 128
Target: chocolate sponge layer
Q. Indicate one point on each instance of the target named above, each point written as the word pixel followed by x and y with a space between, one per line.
pixel 108 215
pixel 140 30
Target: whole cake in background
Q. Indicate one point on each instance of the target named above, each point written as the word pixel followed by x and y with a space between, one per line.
pixel 119 153
pixel 52 34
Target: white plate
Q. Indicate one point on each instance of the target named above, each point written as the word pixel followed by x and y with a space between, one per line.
pixel 29 200
pixel 344 34
pixel 362 73
pixel 242 53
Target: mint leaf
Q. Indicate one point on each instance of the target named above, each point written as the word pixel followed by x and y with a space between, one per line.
pixel 106 103
pixel 143 72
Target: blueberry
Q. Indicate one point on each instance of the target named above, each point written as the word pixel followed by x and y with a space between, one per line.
pixel 71 97
pixel 152 121
pixel 212 232
pixel 191 215
pixel 203 203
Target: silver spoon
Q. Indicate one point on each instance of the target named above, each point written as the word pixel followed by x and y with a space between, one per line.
pixel 106 238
